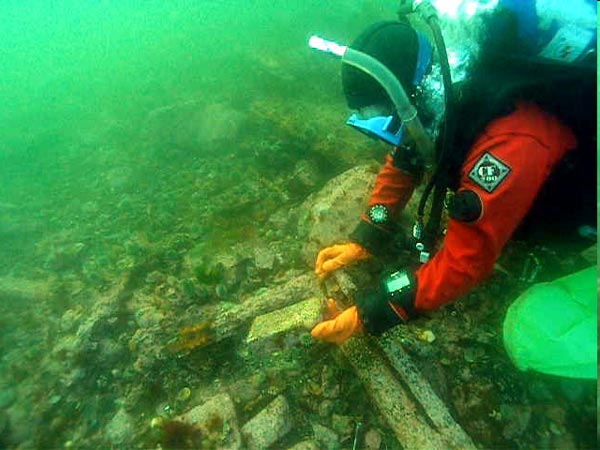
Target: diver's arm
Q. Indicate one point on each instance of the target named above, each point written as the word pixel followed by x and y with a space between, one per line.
pixel 500 179
pixel 470 249
pixel 392 191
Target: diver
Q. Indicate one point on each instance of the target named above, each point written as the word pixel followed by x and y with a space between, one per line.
pixel 527 103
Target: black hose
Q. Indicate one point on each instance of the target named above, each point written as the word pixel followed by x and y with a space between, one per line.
pixel 439 180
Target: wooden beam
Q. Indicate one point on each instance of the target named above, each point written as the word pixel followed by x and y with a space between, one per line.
pixel 227 321
pixel 402 394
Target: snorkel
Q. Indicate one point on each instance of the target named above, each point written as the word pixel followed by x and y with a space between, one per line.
pixel 407 113
pixel 433 153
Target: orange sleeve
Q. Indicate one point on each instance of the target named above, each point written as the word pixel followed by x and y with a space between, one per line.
pixel 470 250
pixel 393 188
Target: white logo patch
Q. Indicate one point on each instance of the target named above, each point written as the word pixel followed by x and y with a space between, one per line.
pixel 489 172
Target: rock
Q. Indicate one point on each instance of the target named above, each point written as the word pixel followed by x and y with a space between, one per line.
pixel 330 215
pixel 264 258
pixel 326 407
pixel 217 421
pixel 269 425
pixel 282 223
pixel 426 336
pixel 373 439
pixel 184 394
pixel 192 124
pixel 330 382
pixel 473 354
pixel 343 426
pixel 540 391
pixel 563 440
pixel 306 173
pixel 228 319
pixel 556 413
pixel 305 445
pixel 303 315
pixel 326 438
pixel 575 390
pixel 248 390
pixel 232 266
pixel 217 121
pixel 111 352
pixel 120 429
pixel 23 292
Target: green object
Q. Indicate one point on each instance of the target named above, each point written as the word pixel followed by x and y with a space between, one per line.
pixel 552 327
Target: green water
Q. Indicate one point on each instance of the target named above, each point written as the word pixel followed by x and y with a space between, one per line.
pixel 142 144
pixel 133 132
pixel 95 94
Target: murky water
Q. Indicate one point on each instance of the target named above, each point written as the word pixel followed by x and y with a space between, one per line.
pixel 154 161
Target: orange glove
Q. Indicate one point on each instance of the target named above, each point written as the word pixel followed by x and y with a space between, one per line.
pixel 340 327
pixel 336 256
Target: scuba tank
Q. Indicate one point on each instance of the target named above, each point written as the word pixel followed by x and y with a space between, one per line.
pixel 547 31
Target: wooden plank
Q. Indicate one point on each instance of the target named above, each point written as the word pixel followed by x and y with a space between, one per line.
pixel 408 383
pixel 227 321
pixel 403 396
pixel 302 315
pixel 433 406
pixel 391 397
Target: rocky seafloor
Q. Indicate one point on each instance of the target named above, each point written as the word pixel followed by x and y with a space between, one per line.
pixel 107 298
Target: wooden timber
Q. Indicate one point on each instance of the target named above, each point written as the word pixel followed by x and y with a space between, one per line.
pixel 406 416
pixel 229 321
pixel 403 396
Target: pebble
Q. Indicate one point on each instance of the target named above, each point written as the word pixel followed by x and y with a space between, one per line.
pixel 221 291
pixel 427 336
pixel 373 439
pixel 247 390
pixel 184 394
pixel 157 422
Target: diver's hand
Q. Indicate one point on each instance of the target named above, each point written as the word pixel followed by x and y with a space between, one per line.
pixel 340 327
pixel 336 256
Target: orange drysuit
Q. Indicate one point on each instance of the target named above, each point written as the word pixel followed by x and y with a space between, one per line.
pixel 506 167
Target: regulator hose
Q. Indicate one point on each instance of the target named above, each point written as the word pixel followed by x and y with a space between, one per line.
pixel 440 178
